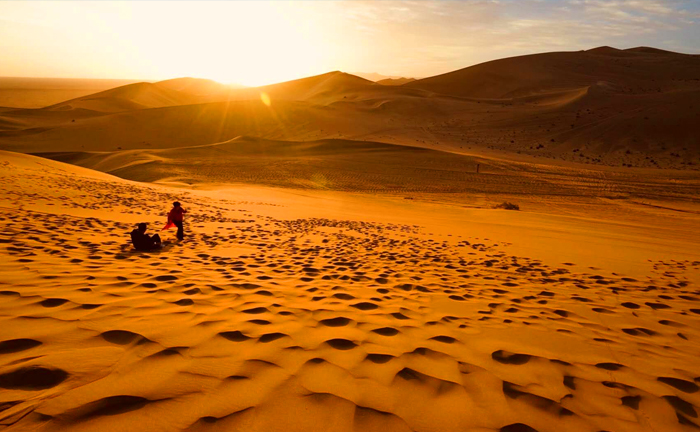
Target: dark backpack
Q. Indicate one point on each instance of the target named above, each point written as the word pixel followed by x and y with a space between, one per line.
pixel 137 239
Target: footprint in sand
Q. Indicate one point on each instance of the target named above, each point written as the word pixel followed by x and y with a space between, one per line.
pixel 259 322
pixel 185 302
pixel 379 358
pixel 639 331
pixel 53 302
pixel 365 306
pixel 609 366
pixel 269 337
pixel 336 322
pixel 517 427
pixel 341 344
pixel 255 311
pixel 32 378
pixel 110 406
pixel 680 384
pixel 235 336
pixel 444 339
pixel 386 331
pixel 17 345
pixel 506 357
pixel 123 337
pixel 631 401
pixel 192 291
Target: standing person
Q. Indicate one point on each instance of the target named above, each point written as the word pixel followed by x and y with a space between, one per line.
pixel 176 216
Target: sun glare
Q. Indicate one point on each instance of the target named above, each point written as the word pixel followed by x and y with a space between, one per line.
pixel 243 42
pixel 247 43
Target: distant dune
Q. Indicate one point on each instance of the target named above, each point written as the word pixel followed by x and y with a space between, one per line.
pixel 376 77
pixel 128 98
pixel 323 89
pixel 372 167
pixel 621 108
pixel 41 92
pixel 327 164
pixel 637 71
pixel 395 81
pixel 197 86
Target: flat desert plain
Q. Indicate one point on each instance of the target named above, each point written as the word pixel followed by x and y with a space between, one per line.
pixel 346 265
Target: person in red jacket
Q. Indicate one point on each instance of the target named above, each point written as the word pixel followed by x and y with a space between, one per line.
pixel 176 217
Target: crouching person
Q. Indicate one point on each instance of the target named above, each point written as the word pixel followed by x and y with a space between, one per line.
pixel 143 241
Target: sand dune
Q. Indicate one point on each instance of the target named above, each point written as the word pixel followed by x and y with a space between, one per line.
pixel 630 71
pixel 42 92
pixel 362 166
pixel 631 108
pixel 328 164
pixel 324 88
pixel 395 81
pixel 129 97
pixel 179 126
pixel 337 312
pixel 376 77
pixel 196 86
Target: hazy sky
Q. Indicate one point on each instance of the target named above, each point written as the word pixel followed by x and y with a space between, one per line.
pixel 255 43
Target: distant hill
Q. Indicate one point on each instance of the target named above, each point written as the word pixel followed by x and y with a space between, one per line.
pixel 376 77
pixel 41 92
pixel 395 81
pixel 322 88
pixel 172 92
pixel 129 97
pixel 196 86
pixel 625 108
pixel 635 70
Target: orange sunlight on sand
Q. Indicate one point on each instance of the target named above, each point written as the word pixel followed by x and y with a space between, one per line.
pixel 508 246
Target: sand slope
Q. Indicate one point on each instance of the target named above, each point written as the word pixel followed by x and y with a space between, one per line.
pixel 129 97
pixel 623 108
pixel 324 88
pixel 410 172
pixel 395 81
pixel 195 86
pixel 41 92
pixel 382 318
pixel 630 71
pixel 630 108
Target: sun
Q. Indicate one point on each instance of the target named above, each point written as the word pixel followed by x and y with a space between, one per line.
pixel 247 43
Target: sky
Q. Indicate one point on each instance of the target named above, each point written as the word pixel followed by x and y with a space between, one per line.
pixel 262 42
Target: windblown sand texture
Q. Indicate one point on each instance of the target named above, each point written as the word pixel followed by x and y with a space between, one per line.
pixel 262 322
pixel 344 268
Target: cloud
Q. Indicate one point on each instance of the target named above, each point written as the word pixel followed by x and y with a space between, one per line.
pixel 437 36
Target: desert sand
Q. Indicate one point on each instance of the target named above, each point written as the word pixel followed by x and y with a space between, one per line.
pixel 618 108
pixel 41 92
pixel 345 266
